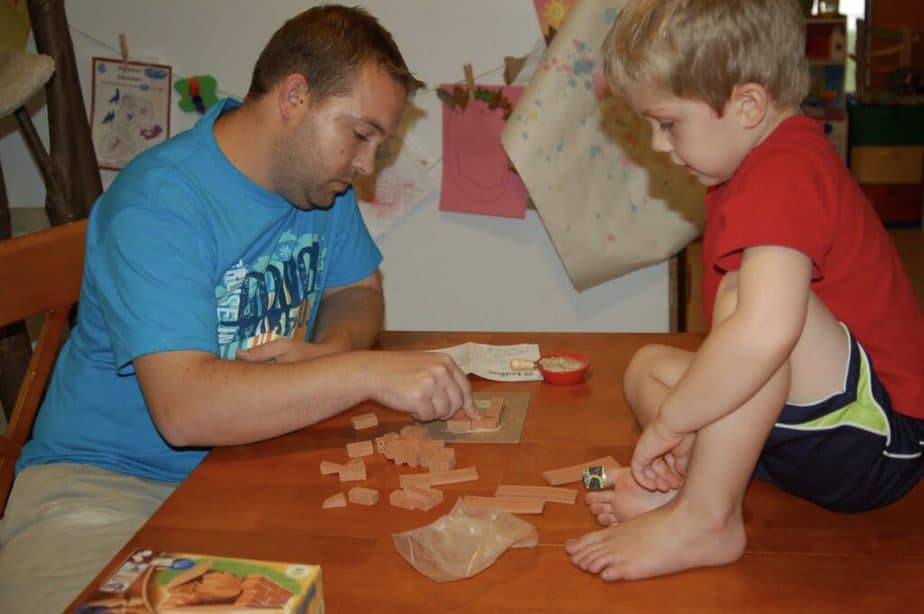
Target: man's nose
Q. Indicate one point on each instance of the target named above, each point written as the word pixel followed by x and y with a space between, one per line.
pixel 364 162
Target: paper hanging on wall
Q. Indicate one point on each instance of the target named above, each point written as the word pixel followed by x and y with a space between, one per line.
pixel 400 184
pixel 609 203
pixel 551 14
pixel 197 93
pixel 130 111
pixel 477 175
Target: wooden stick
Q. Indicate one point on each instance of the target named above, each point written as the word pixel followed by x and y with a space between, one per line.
pixel 513 505
pixel 574 473
pixel 466 474
pixel 543 493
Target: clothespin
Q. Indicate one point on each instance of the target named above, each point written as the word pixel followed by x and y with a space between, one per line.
pixel 123 45
pixel 469 77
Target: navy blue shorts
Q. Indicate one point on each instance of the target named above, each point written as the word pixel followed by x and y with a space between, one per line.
pixel 850 452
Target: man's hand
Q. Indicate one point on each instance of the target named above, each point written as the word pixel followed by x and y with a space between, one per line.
pixel 288 350
pixel 427 385
pixel 660 459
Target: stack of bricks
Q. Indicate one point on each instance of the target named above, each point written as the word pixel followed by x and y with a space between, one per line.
pixel 416 497
pixel 490 411
pixel 414 448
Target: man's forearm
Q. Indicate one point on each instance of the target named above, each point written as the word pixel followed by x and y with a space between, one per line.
pixel 352 317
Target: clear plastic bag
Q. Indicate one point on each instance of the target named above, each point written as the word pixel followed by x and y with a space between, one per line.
pixel 464 542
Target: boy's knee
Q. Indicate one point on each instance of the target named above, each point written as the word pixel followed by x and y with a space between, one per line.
pixel 641 365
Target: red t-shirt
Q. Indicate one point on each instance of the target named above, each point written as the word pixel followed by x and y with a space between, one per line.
pixel 793 190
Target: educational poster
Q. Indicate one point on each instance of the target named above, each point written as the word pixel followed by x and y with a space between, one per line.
pixel 609 203
pixel 551 14
pixel 130 109
pixel 401 182
pixel 477 175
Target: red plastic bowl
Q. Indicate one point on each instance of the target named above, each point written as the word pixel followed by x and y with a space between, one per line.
pixel 572 376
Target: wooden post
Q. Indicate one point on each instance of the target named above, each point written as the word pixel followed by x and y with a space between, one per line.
pixel 71 145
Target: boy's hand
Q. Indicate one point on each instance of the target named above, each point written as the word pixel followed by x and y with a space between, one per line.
pixel 660 459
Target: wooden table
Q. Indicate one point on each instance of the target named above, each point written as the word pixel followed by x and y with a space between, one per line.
pixel 263 501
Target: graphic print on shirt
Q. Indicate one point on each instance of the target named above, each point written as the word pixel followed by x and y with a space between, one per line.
pixel 271 296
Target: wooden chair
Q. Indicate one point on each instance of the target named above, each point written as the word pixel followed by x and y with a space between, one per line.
pixel 39 274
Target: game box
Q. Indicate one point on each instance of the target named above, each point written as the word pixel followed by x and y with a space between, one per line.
pixel 179 583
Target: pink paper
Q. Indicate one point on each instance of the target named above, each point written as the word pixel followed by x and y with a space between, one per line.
pixel 477 175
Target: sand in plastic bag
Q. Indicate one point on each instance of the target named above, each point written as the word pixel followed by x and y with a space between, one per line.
pixel 464 542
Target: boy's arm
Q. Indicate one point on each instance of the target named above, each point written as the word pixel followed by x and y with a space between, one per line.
pixel 746 348
pixel 737 358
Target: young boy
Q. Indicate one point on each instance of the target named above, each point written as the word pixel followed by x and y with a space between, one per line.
pixel 812 376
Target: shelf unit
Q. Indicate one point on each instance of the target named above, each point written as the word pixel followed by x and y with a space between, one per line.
pixel 826 51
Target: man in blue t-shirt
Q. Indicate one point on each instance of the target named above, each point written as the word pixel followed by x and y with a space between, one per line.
pixel 230 294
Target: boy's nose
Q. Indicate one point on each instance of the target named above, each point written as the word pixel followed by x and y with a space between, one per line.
pixel 659 142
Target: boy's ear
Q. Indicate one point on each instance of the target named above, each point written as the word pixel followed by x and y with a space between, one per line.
pixel 751 102
pixel 293 95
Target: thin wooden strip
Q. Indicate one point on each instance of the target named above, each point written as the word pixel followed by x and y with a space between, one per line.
pixel 436 478
pixel 574 473
pixel 545 493
pixel 514 505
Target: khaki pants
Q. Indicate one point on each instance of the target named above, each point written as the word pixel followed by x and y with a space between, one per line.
pixel 63 524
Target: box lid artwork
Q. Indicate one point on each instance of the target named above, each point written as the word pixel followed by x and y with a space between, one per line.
pixel 179 583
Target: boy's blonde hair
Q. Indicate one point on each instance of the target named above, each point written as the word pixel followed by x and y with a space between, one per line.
pixel 702 49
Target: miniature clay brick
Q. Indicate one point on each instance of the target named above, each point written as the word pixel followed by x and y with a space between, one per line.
pixel 482 404
pixel 514 505
pixel 363 496
pixel 364 421
pixel 399 498
pixel 574 473
pixel 382 442
pixel 488 422
pixel 353 471
pixel 360 448
pixel 417 433
pixel 545 493
pixel 338 500
pixel 466 474
pixel 328 468
pixel 430 445
pixel 458 426
pixel 496 407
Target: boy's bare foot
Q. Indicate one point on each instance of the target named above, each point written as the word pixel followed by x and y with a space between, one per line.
pixel 668 539
pixel 626 500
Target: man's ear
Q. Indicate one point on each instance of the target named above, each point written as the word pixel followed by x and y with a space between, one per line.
pixel 750 103
pixel 293 96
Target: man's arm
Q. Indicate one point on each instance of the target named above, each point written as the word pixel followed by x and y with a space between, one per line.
pixel 197 399
pixel 349 318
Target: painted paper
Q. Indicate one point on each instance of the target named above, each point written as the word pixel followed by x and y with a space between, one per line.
pixel 551 14
pixel 401 182
pixel 477 175
pixel 609 203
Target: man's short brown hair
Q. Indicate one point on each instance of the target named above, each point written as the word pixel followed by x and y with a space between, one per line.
pixel 329 45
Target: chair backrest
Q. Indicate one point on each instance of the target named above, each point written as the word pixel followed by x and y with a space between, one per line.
pixel 39 273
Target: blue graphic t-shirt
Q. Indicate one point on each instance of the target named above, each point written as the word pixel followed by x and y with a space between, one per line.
pixel 184 253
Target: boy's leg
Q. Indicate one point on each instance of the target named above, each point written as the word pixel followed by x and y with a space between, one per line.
pixel 62 524
pixel 702 525
pixel 653 371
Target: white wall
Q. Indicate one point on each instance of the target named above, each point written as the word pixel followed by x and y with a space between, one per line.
pixel 443 271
